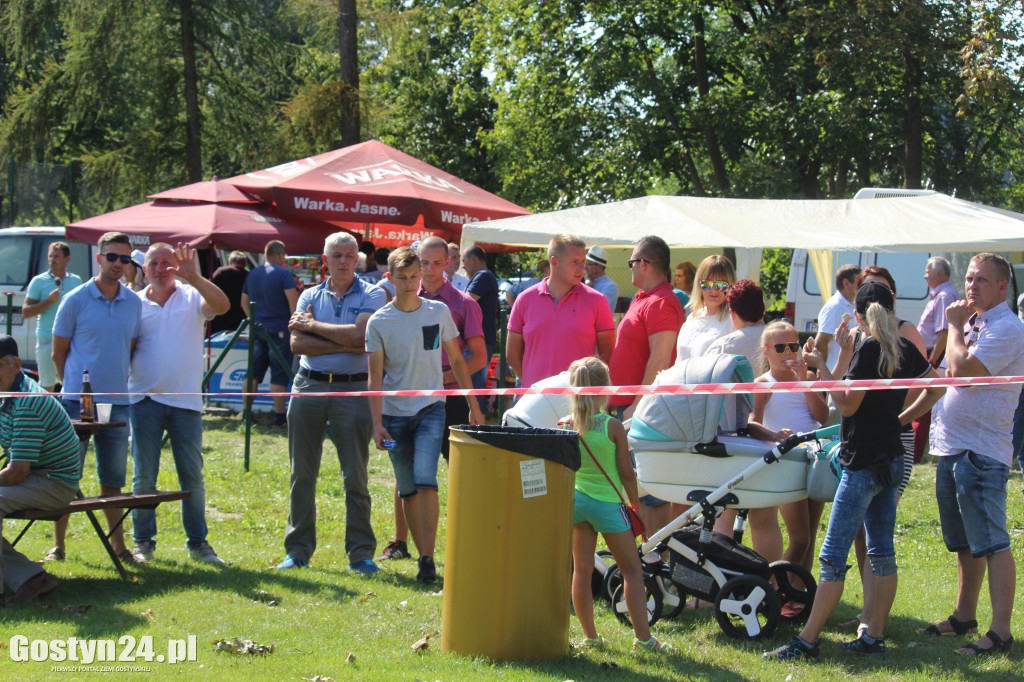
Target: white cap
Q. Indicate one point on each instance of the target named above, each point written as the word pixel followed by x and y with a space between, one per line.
pixel 138 258
pixel 598 255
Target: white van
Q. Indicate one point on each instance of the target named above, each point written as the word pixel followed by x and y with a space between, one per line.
pixel 23 253
pixel 803 297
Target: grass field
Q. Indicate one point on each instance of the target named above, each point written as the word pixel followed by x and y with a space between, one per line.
pixel 329 623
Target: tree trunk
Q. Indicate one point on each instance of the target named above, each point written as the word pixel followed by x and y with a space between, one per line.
pixel 193 144
pixel 913 142
pixel 347 21
pixel 703 88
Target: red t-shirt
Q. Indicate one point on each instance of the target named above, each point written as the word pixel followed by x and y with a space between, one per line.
pixel 651 312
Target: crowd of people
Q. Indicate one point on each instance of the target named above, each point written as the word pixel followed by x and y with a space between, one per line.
pixel 413 322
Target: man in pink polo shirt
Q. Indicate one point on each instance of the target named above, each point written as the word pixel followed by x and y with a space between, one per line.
pixel 647 334
pixel 560 319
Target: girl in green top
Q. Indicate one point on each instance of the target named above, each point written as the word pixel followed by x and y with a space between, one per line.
pixel 598 508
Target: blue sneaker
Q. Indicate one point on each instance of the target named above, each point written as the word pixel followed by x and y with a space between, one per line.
pixel 292 562
pixel 364 566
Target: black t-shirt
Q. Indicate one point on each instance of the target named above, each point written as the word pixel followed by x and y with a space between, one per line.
pixel 872 434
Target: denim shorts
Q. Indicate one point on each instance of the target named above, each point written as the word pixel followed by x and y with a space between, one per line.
pixel 605 517
pixel 417 448
pixel 263 358
pixel 971 491
pixel 862 500
pixel 111 445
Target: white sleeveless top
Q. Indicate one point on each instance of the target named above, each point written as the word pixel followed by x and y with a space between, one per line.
pixel 788 410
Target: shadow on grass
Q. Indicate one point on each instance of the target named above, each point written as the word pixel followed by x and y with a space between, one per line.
pixel 591 668
pixel 101 605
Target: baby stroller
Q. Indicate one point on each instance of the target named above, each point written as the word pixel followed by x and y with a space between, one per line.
pixel 681 457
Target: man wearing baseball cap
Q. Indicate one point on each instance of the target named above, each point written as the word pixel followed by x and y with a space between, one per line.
pixel 41 467
pixel 597 262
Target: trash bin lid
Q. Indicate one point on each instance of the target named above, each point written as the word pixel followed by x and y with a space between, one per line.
pixel 556 445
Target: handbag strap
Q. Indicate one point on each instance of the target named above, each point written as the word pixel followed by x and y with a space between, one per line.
pixel 601 468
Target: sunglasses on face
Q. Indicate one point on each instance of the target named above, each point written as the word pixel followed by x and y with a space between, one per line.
pixel 113 258
pixel 783 347
pixel 633 261
pixel 707 284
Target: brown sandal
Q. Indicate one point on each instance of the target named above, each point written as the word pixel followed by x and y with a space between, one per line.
pixel 959 627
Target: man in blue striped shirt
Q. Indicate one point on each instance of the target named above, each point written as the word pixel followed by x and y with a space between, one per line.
pixel 42 467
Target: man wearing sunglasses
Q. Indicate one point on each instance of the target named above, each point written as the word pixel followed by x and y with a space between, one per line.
pixel 95 331
pixel 646 342
pixel 831 315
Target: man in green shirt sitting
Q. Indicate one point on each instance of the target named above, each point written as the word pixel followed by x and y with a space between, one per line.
pixel 42 466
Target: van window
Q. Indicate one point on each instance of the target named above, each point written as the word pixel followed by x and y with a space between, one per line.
pixel 811 282
pixel 79 263
pixel 908 271
pixel 15 256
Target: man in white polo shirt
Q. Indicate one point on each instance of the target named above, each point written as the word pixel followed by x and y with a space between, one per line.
pixel 168 359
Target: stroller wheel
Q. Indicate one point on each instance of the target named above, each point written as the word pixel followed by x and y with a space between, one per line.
pixel 788 577
pixel 601 566
pixel 654 605
pixel 612 581
pixel 747 607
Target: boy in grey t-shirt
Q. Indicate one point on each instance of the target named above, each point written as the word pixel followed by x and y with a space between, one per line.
pixel 404 341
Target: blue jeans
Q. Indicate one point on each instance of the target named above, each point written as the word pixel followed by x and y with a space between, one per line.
pixel 862 500
pixel 971 492
pixel 417 448
pixel 263 358
pixel 111 445
pixel 1018 432
pixel 149 421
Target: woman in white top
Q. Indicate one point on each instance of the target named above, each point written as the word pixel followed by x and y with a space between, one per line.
pixel 777 416
pixel 707 315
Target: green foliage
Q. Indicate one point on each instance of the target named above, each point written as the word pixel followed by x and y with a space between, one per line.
pixel 775 277
pixel 552 104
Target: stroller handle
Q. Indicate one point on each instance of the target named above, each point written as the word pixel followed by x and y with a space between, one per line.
pixel 798 438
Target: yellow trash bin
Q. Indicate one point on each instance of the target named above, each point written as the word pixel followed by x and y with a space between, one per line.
pixel 508 557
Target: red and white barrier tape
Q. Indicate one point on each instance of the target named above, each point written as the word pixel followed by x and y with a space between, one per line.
pixel 673 389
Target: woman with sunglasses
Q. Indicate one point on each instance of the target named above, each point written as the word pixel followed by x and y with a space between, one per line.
pixel 707 317
pixel 775 417
pixel 872 458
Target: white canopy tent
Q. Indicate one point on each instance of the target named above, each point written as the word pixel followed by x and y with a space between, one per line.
pixel 936 222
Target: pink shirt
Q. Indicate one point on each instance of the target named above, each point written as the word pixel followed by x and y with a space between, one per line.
pixel 933 319
pixel 557 333
pixel 466 313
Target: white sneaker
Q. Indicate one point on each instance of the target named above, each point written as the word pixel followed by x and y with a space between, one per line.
pixel 205 554
pixel 146 550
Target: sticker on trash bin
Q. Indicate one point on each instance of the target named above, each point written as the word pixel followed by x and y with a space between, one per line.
pixel 535 482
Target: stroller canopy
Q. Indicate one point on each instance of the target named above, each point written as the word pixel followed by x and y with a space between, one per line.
pixel 673 422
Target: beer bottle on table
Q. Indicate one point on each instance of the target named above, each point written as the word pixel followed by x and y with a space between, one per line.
pixel 88 404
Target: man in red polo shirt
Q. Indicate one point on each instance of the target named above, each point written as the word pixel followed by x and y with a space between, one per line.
pixel 646 341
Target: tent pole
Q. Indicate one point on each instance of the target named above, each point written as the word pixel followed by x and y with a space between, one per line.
pixel 247 400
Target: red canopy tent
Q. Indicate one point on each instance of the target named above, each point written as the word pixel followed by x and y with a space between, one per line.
pixel 247 227
pixel 210 191
pixel 374 190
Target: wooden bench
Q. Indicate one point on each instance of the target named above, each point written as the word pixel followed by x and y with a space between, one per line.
pixel 90 504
